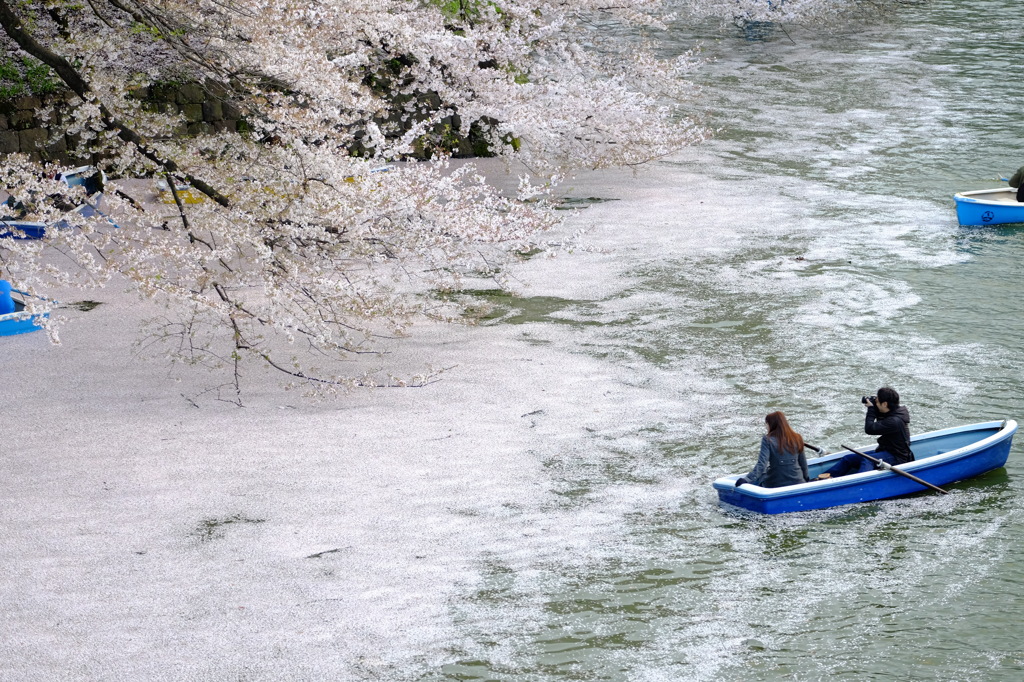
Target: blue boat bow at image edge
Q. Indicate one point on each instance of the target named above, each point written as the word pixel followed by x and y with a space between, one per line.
pixel 989 207
pixel 21 321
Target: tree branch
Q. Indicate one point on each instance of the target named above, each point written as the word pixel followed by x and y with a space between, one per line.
pixel 14 28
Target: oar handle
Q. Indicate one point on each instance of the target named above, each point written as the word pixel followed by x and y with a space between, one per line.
pixel 815 448
pixel 901 472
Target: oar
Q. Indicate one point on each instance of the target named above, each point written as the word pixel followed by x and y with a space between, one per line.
pixel 888 467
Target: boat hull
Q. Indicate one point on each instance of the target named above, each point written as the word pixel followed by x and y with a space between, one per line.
pixel 20 322
pixel 942 457
pixel 989 207
pixel 21 229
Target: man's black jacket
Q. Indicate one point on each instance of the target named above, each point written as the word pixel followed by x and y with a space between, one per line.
pixel 893 431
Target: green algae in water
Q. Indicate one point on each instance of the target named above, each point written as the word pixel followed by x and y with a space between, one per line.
pixel 213 529
pixel 85 306
pixel 498 306
pixel 570 203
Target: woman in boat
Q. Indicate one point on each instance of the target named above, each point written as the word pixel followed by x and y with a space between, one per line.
pixel 888 420
pixel 781 460
pixel 6 302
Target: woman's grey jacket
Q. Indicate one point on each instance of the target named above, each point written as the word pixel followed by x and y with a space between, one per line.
pixel 776 468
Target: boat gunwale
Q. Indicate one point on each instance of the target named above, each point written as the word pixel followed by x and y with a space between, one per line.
pixel 972 197
pixel 17 315
pixel 24 314
pixel 1007 427
pixel 26 227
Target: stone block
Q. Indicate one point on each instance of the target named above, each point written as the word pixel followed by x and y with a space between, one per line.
pixel 4 125
pixel 190 93
pixel 140 92
pixel 81 159
pixel 214 89
pixel 23 119
pixel 28 103
pixel 231 111
pixel 462 149
pixel 32 139
pixel 193 112
pixel 213 111
pixel 200 128
pixel 9 142
pixel 162 93
pixel 431 100
pixel 58 146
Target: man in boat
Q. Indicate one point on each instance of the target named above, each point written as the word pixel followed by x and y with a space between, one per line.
pixel 1017 180
pixel 888 420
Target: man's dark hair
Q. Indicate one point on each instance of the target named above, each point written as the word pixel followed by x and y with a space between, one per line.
pixel 889 396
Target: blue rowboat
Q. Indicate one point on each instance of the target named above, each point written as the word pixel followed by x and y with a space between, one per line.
pixel 941 457
pixel 20 321
pixel 989 207
pixel 21 229
pixel 91 179
pixel 28 229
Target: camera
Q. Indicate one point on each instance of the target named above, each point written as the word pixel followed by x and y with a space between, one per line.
pixel 868 399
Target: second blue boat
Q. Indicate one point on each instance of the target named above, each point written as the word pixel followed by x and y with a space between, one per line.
pixel 989 207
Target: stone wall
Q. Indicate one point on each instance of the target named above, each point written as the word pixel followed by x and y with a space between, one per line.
pixel 23 130
pixel 204 112
pixel 26 122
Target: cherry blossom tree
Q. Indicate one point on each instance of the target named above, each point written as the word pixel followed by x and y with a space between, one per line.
pixel 300 255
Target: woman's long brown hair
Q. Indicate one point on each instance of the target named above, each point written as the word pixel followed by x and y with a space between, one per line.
pixel 779 429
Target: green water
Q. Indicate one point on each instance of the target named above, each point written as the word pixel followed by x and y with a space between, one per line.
pixel 854 276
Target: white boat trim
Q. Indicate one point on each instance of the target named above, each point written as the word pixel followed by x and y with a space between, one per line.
pixel 1000 196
